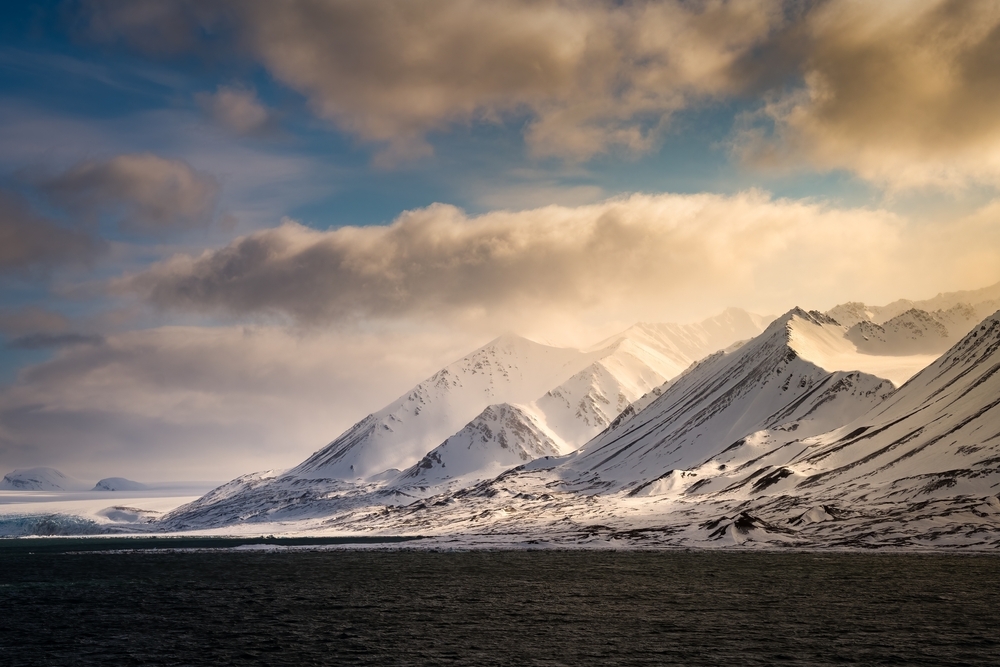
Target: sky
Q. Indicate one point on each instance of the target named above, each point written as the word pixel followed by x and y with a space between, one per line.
pixel 229 229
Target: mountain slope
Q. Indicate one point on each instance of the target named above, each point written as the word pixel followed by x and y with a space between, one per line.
pixel 959 311
pixel 583 391
pixel 500 437
pixel 586 403
pixel 683 344
pixel 939 431
pixel 40 479
pixel 508 369
pixel 562 397
pixel 629 366
pixel 914 332
pixel 920 468
pixel 766 384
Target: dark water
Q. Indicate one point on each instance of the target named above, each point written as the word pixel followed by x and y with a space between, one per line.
pixel 496 608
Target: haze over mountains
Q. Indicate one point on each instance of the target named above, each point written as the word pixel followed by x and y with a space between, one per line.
pixel 768 386
pixel 567 395
pixel 907 327
pixel 728 450
pixel 50 479
pixel 893 341
pixel 800 429
pixel 40 479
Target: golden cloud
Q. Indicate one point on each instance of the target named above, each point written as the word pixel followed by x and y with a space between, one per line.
pixel 625 255
pixel 904 94
pixel 589 76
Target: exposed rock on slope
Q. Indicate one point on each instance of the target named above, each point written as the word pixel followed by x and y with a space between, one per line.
pixel 581 391
pixel 766 384
pixel 578 393
pixel 914 332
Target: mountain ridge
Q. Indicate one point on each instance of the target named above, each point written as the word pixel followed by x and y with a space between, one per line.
pixel 761 444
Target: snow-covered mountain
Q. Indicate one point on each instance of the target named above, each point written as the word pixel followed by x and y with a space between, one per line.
pixel 511 398
pixel 629 365
pixel 501 437
pixel 586 403
pixel 509 369
pixel 565 417
pixel 918 467
pixel 960 311
pixel 790 438
pixel 772 384
pixel 682 344
pixel 119 484
pixel 921 467
pixel 939 435
pixel 914 331
pixel 917 329
pixel 571 393
pixel 40 479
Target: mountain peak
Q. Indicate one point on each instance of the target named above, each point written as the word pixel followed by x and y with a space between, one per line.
pixel 784 325
pixel 508 369
pixel 510 338
pixel 512 343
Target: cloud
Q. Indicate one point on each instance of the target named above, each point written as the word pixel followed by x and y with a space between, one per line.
pixel 589 76
pixel 31 320
pixel 149 25
pixel 628 254
pixel 261 180
pixel 207 403
pixel 519 194
pixel 902 94
pixel 238 110
pixel 143 192
pixel 30 243
pixel 43 341
pixel 197 402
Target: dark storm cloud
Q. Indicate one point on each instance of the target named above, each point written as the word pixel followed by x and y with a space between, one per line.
pixel 144 192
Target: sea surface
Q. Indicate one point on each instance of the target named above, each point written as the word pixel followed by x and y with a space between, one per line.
pixel 63 604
